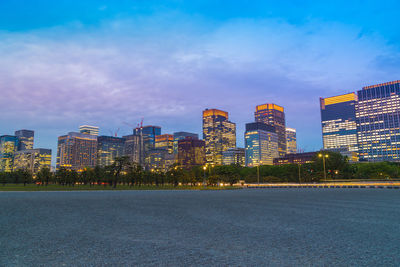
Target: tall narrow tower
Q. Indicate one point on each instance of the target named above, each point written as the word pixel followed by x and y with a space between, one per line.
pixel 274 115
pixel 218 133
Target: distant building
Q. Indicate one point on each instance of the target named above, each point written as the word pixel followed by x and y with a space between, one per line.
pixel 378 122
pixel 219 134
pixel 146 141
pixel 87 129
pixel 191 152
pixel 234 156
pixel 133 149
pixel 338 118
pixel 165 141
pixel 26 138
pixel 273 115
pixel 32 160
pixel 76 151
pixel 109 148
pixel 182 135
pixel 291 141
pixel 261 144
pixel 352 156
pixel 159 159
pixel 299 158
pixel 8 147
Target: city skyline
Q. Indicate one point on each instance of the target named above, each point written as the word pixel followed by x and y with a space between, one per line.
pixel 69 64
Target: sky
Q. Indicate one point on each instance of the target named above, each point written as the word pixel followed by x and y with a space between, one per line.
pixel 67 63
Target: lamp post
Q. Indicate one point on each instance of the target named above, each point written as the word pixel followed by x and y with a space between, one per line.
pixel 323 156
pixel 204 176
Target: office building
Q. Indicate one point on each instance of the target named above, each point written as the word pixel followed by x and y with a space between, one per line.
pixel 159 160
pixel 8 147
pixel 87 129
pixel 26 138
pixel 146 141
pixel 273 115
pixel 261 144
pixel 109 148
pixel 291 141
pixel 182 135
pixel 76 151
pixel 191 152
pixel 219 134
pixel 32 160
pixel 133 149
pixel 299 158
pixel 234 156
pixel 338 118
pixel 165 141
pixel 378 122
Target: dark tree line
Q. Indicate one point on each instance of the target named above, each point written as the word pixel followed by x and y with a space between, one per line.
pixel 122 172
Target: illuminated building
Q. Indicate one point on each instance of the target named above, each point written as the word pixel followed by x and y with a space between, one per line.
pixel 109 148
pixel 87 129
pixel 165 141
pixel 8 147
pixel 146 141
pixel 218 133
pixel 76 151
pixel 378 122
pixel 291 141
pixel 299 158
pixel 338 118
pixel 133 149
pixel 234 156
pixel 25 139
pixel 273 115
pixel 182 135
pixel 261 144
pixel 159 159
pixel 32 160
pixel 191 152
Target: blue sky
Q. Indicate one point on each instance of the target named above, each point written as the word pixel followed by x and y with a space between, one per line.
pixel 110 63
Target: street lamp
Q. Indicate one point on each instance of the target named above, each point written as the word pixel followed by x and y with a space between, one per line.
pixel 204 176
pixel 323 156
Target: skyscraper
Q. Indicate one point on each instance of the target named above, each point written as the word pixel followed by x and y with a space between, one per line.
pixel 219 134
pixel 182 135
pixel 378 122
pixel 234 156
pixel 146 141
pixel 87 129
pixel 273 115
pixel 109 148
pixel 191 152
pixel 165 141
pixel 76 151
pixel 261 144
pixel 133 148
pixel 32 160
pixel 25 139
pixel 291 141
pixel 338 118
pixel 8 147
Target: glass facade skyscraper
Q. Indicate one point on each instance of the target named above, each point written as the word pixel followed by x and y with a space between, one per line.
pixel 182 135
pixel 338 118
pixel 76 151
pixel 109 148
pixel 87 129
pixel 8 147
pixel 26 139
pixel 378 122
pixel 147 141
pixel 191 152
pixel 273 115
pixel 219 134
pixel 234 156
pixel 165 141
pixel 261 144
pixel 291 141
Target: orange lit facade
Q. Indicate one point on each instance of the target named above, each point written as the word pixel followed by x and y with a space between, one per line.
pixel 191 152
pixel 76 151
pixel 219 135
pixel 165 141
pixel 274 115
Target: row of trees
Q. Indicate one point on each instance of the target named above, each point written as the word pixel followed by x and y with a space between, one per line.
pixel 126 173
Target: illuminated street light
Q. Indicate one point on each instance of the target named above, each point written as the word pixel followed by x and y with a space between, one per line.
pixel 323 156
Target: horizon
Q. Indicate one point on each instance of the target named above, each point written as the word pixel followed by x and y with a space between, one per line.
pixel 108 64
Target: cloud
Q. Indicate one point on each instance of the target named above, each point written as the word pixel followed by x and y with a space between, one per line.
pixel 124 70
